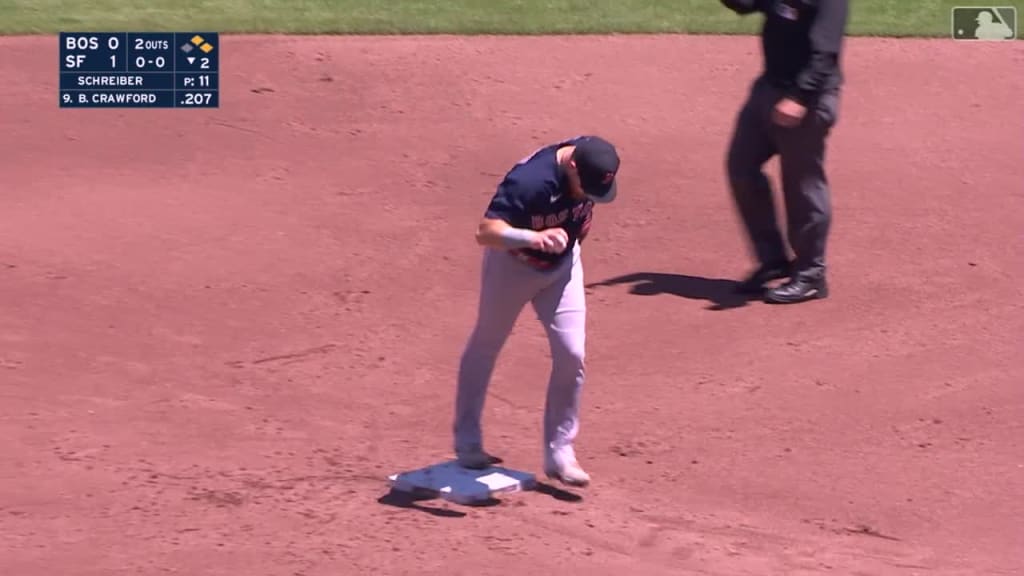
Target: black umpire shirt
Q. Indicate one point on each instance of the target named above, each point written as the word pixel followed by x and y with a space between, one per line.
pixel 802 41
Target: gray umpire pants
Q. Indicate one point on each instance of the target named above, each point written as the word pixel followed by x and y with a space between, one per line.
pixel 801 149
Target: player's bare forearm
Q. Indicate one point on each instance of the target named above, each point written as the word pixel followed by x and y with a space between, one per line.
pixel 496 233
pixel 490 232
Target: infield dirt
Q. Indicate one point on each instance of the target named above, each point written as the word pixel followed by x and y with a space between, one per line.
pixel 220 330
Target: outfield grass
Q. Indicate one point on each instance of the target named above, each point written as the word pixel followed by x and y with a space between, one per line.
pixel 868 17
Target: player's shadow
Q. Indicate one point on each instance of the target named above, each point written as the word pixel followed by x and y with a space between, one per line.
pixel 410 501
pixel 720 292
pixel 413 499
pixel 557 493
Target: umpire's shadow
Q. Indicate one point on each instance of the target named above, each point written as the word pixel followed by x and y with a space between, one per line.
pixel 720 292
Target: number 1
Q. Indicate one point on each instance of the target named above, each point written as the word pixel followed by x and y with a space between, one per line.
pixel 113 61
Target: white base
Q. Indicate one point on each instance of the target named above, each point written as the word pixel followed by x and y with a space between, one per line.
pixel 461 485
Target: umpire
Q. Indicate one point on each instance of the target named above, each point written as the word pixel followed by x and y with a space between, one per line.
pixel 790 110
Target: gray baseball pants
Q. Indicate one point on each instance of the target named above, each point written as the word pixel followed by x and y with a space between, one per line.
pixel 806 194
pixel 559 300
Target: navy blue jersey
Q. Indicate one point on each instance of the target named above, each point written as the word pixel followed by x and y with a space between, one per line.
pixel 534 195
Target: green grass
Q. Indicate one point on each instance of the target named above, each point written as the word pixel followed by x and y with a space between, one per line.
pixel 868 17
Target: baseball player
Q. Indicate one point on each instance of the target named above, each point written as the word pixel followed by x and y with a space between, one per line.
pixel 531 232
pixel 790 111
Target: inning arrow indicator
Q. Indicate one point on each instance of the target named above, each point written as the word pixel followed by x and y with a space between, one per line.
pixel 191 59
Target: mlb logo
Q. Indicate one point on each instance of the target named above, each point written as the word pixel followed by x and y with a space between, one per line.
pixel 984 23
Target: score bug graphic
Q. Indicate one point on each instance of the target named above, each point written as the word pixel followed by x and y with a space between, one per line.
pixel 140 70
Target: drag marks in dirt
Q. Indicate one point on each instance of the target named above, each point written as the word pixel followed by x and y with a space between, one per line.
pixel 351 300
pixel 703 543
pixel 288 357
pixel 275 485
pixel 707 540
pixel 310 493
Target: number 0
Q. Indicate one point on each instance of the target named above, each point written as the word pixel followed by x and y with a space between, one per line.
pixel 113 43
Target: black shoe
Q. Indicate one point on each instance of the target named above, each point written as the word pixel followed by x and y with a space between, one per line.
pixel 798 290
pixel 754 283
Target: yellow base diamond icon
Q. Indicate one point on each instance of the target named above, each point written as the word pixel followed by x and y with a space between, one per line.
pixel 197 39
pixel 206 48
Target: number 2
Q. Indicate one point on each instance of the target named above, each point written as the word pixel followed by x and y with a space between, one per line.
pixel 206 64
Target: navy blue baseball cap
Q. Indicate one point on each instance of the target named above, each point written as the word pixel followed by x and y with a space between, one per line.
pixel 597 162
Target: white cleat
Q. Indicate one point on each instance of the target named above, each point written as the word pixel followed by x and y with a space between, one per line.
pixel 566 470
